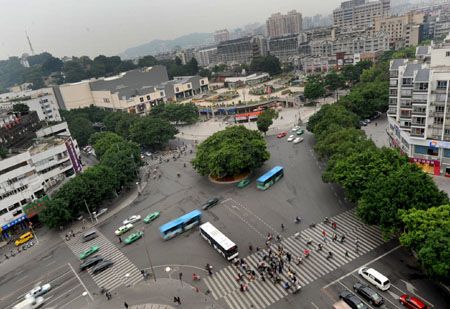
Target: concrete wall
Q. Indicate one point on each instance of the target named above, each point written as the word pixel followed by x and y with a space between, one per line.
pixel 77 95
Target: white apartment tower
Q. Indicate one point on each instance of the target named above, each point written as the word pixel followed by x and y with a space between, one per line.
pixel 419 102
pixel 360 13
pixel 279 25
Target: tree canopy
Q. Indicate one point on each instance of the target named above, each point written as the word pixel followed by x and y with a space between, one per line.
pixel 268 64
pixel 152 132
pixel 177 113
pixel 314 87
pixel 265 120
pixel 231 152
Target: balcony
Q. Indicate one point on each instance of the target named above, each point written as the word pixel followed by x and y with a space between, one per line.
pixel 439 90
pixel 418 124
pixel 437 114
pixel 416 134
pixel 406 105
pixel 418 112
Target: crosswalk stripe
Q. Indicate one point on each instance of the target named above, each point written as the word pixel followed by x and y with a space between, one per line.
pixel 231 302
pixel 211 289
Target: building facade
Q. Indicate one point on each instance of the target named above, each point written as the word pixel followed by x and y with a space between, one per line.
pixel 359 13
pixel 419 101
pixel 221 35
pixel 278 24
pixel 403 31
pixel 241 50
pixel 285 47
pixel 206 56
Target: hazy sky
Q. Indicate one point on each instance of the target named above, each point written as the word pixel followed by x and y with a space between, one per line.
pixel 91 27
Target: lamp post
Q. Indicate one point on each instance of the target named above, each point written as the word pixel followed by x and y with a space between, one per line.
pixel 90 214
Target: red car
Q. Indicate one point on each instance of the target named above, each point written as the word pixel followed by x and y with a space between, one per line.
pixel 412 302
pixel 282 134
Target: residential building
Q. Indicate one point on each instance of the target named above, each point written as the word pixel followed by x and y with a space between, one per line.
pixel 42 101
pixel 442 24
pixel 278 24
pixel 206 56
pixel 359 13
pixel 419 101
pixel 317 21
pixel 184 87
pixel 185 55
pixel 18 131
pixel 241 50
pixel 221 35
pixel 403 30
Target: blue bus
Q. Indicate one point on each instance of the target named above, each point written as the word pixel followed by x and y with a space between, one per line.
pixel 269 178
pixel 180 225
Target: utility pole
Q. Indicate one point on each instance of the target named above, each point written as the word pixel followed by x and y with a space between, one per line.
pixel 89 212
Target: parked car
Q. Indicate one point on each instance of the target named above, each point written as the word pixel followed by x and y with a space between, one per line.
pixel 368 293
pixel 123 229
pixel 39 290
pixel 149 218
pixel 92 261
pixel 290 138
pixel 105 264
pixel 362 123
pixel 243 183
pixel 100 212
pixel 89 252
pixel 300 132
pixel 296 128
pixel 298 140
pixel 412 302
pixel 282 134
pixel 352 300
pixel 133 237
pixel 374 277
pixel 210 203
pixel 132 219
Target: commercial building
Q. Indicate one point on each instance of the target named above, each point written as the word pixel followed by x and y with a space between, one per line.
pixel 184 87
pixel 360 13
pixel 135 91
pixel 402 30
pixel 42 101
pixel 241 50
pixel 35 165
pixel 419 101
pixel 278 24
pixel 221 35
pixel 206 56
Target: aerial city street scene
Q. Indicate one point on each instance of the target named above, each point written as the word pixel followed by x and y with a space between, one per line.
pixel 225 154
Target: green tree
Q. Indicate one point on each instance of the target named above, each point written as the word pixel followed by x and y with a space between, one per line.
pixel 56 213
pixel 103 141
pixel 427 232
pixel 331 118
pixel 21 108
pixel 102 181
pixel 152 132
pixel 334 81
pixel 73 72
pixel 147 61
pixel 125 161
pixel 231 152
pixel 269 64
pixel 3 152
pixel 405 188
pixel 74 193
pixel 81 129
pixel 265 120
pixel 314 88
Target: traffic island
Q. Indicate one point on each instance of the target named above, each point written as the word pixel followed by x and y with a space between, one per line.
pixel 229 179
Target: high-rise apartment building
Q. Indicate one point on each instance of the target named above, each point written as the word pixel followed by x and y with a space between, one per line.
pixel 221 35
pixel 403 30
pixel 359 13
pixel 278 24
pixel 419 101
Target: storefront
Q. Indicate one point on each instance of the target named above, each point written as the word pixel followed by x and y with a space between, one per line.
pixel 428 166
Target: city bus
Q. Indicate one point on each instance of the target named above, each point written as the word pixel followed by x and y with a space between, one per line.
pixel 269 178
pixel 180 225
pixel 219 241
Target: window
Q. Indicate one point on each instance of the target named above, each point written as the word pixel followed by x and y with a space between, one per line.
pixel 189 86
pixel 441 84
pixel 141 99
pixel 161 93
pixel 177 89
pixel 148 97
pixel 105 100
pixel 447 153
pixel 447 54
pixel 202 82
pixel 438 120
pixel 440 108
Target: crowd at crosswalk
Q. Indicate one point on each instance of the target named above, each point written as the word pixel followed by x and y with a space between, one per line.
pixel 248 284
pixel 123 271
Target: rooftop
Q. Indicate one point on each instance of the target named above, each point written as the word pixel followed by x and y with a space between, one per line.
pixel 422 75
pixel 45 144
pixel 411 68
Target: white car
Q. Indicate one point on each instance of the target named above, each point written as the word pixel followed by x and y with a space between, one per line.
pixel 132 219
pixel 123 229
pixel 298 140
pixel 100 212
pixel 291 138
pixel 374 277
pixel 38 291
pixel 296 128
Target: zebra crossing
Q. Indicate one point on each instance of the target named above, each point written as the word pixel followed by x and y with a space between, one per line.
pixel 261 294
pixel 114 276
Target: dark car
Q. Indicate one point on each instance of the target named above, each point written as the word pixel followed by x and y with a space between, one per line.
pixel 102 266
pixel 352 300
pixel 91 262
pixel 365 291
pixel 210 203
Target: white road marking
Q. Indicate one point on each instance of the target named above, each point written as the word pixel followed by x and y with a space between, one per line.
pixel 82 283
pixel 314 305
pixel 370 262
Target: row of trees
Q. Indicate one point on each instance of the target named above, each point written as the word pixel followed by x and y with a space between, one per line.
pixel 152 131
pixel 118 168
pixel 44 66
pixel 388 190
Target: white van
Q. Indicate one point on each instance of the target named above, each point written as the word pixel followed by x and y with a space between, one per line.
pixel 30 303
pixel 374 277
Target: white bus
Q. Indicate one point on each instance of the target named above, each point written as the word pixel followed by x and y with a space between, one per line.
pixel 219 241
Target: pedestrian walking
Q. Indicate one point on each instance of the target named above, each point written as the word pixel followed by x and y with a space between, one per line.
pixel 125 305
pixel 324 233
pixel 282 227
pixel 289 257
pixel 120 240
pixel 209 269
pixel 334 237
pixel 346 254
pixel 334 225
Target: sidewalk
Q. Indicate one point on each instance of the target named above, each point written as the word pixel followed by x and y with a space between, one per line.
pixel 159 294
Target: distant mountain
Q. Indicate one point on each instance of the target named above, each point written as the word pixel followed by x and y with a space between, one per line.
pixel 161 46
